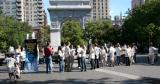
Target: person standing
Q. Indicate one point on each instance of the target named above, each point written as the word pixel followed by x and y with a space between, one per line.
pixel 97 53
pixel 17 53
pixel 48 57
pixel 102 55
pixel 152 50
pixel 134 52
pixel 118 53
pixel 72 52
pixel 128 55
pixel 22 57
pixel 79 55
pixel 92 57
pixel 83 58
pixel 112 56
pixel 61 59
pixel 67 54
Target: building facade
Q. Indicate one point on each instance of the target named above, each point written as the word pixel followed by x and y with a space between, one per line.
pixel 63 10
pixel 31 11
pixel 100 9
pixel 8 7
pixel 136 3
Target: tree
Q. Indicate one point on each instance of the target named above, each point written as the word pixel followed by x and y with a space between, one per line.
pixel 142 25
pixel 72 32
pixel 12 32
pixel 99 31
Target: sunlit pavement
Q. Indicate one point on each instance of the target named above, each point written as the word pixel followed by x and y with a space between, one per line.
pixel 140 73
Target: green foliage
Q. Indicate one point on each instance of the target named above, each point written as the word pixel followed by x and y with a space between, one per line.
pixel 72 32
pixel 99 31
pixel 143 23
pixel 12 32
pixel 43 35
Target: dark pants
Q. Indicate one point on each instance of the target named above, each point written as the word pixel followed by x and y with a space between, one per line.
pixel 97 63
pixel 68 64
pixel 118 60
pixel 93 64
pixel 123 59
pixel 48 61
pixel 22 65
pixel 134 57
pixel 79 61
pixel 61 65
pixel 83 64
pixel 127 61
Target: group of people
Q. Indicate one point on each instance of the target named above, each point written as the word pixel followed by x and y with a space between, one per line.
pixel 98 56
pixel 15 59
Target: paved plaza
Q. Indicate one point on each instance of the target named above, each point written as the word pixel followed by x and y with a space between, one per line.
pixel 140 73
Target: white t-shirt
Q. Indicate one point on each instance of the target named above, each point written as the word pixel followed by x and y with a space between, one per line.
pixel 61 54
pixel 22 55
pixel 151 50
pixel 118 51
pixel 67 51
pixel 10 62
pixel 92 53
pixel 112 51
pixel 129 52
pixel 79 52
pixel 97 52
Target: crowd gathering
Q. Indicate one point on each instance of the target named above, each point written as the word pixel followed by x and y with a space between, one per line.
pixel 98 56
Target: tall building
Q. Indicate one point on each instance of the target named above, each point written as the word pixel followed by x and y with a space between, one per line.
pixel 136 3
pixel 8 7
pixel 31 11
pixel 100 9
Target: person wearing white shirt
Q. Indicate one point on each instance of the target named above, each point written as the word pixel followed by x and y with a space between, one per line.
pixel 128 55
pixel 71 57
pixel 97 53
pixel 79 55
pixel 61 59
pixel 22 58
pixel 92 57
pixel 111 53
pixel 67 54
pixel 10 65
pixel 17 53
pixel 102 55
pixel 118 53
pixel 83 58
pixel 152 50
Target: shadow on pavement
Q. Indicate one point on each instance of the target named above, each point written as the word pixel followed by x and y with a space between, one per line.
pixel 87 81
pixel 144 80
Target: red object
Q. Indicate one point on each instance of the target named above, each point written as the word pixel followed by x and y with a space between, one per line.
pixel 48 51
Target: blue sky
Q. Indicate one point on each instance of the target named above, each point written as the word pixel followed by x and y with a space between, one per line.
pixel 116 7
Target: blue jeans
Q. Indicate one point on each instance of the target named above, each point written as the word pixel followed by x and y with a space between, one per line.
pixel 49 64
pixel 118 60
pixel 83 63
pixel 61 65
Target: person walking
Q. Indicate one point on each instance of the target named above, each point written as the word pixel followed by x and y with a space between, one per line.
pixel 48 57
pixel 61 59
pixel 134 47
pixel 72 52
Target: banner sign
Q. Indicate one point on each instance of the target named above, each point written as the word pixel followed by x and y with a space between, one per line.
pixel 31 64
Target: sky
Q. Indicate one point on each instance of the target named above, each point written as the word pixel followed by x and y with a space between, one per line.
pixel 116 7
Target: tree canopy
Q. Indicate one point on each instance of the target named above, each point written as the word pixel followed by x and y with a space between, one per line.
pixel 12 32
